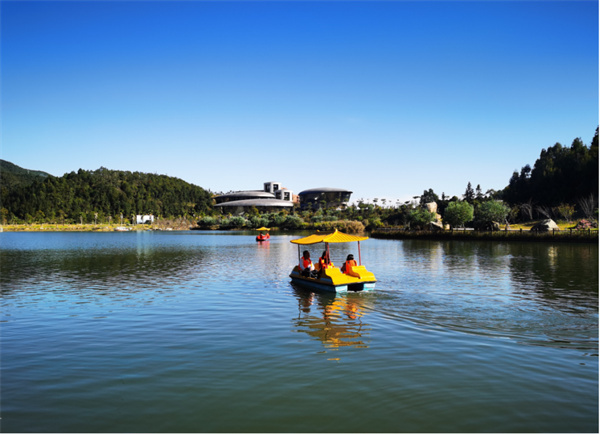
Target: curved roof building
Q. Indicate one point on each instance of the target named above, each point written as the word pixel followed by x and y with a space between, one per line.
pixel 244 195
pixel 325 196
pixel 238 206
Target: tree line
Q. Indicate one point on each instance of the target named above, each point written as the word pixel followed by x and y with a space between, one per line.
pixel 560 175
pixel 102 196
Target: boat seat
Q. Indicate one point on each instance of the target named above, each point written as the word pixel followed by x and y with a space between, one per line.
pixel 361 272
pixel 333 271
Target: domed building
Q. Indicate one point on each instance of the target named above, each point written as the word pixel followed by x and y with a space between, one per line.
pixel 272 198
pixel 243 195
pixel 324 197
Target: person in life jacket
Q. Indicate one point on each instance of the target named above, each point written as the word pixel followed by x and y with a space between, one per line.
pixel 324 263
pixel 350 262
pixel 306 265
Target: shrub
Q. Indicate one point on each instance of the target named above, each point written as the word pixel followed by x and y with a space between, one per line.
pixel 207 222
pixel 237 222
pixel 586 224
pixel 458 213
pixel 491 211
pixel 420 218
pixel 292 222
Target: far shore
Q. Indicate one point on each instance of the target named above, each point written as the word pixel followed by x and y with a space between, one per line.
pixel 49 227
pixel 560 236
pixel 566 234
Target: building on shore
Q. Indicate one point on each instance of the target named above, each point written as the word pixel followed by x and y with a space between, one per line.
pixel 262 205
pixel 144 219
pixel 272 198
pixel 324 197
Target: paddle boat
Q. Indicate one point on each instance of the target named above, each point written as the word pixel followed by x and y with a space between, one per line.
pixel 356 278
pixel 261 236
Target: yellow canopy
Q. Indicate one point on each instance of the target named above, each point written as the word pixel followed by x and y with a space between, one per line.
pixel 263 229
pixel 336 237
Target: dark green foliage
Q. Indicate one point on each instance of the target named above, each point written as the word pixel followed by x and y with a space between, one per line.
pixel 13 177
pixel 88 196
pixel 560 175
pixel 428 196
pixel 420 218
pixel 469 193
pixel 491 211
pixel 458 213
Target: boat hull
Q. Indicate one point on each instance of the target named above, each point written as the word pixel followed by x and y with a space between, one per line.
pixel 326 284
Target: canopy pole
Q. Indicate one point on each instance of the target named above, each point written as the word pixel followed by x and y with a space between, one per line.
pixel 327 248
pixel 299 256
pixel 359 258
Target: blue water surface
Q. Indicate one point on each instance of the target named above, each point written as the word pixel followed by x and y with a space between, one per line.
pixel 203 332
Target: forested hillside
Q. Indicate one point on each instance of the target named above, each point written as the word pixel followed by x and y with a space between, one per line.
pixel 102 195
pixel 13 176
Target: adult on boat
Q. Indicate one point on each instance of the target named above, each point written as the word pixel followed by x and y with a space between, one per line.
pixel 350 262
pixel 306 265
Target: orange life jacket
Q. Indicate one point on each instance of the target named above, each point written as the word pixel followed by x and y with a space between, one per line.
pixel 325 264
pixel 305 263
pixel 348 266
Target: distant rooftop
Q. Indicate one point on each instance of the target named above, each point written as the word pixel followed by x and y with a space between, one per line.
pixel 325 190
pixel 258 203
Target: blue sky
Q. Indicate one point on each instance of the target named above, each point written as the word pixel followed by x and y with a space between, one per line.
pixel 384 98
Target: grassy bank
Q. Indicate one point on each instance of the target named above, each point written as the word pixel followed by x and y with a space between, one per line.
pixel 569 236
pixel 163 224
pixel 68 228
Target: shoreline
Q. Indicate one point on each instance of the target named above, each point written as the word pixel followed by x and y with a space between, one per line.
pixel 563 236
pixel 88 228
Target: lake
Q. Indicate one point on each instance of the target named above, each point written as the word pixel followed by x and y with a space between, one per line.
pixel 203 332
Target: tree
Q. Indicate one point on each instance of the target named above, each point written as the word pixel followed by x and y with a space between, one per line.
pixel 458 213
pixel 469 193
pixel 421 218
pixel 428 196
pixel 491 211
pixel 566 211
pixel 560 175
pixel 478 192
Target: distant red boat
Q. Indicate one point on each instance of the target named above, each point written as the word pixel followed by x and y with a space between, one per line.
pixel 263 237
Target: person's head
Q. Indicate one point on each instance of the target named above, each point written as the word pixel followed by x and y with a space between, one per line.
pixel 350 257
pixel 324 255
pixel 306 254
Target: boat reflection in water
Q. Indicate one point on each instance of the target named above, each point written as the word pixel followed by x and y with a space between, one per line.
pixel 335 320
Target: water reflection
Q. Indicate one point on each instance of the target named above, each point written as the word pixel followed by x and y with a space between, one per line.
pixel 109 271
pixel 565 276
pixel 534 293
pixel 336 320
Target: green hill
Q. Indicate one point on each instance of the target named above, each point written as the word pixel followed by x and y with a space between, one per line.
pixel 13 176
pixel 100 195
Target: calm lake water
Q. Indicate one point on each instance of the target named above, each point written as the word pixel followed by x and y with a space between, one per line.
pixel 203 332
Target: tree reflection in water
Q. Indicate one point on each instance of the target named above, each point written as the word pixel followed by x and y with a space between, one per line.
pixel 336 320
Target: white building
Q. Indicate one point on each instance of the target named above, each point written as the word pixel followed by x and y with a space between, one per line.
pixel 280 192
pixel 144 219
